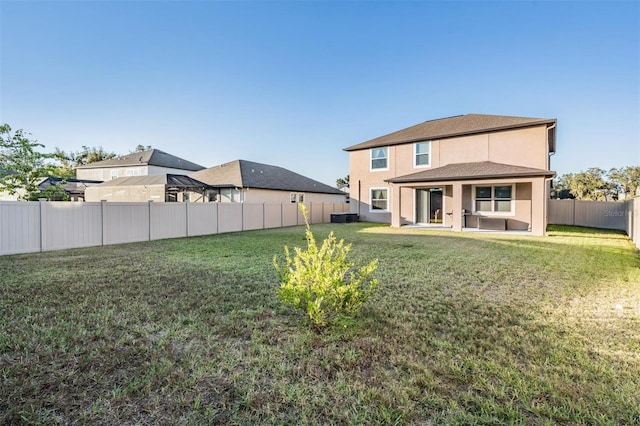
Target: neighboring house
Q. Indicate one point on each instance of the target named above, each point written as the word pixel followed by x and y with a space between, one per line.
pixel 475 171
pixel 246 181
pixel 74 188
pixel 144 163
pixel 157 188
pixel 4 195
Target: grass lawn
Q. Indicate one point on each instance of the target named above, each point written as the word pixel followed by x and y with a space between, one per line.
pixel 465 329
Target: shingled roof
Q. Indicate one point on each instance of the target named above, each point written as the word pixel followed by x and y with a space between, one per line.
pixel 471 171
pixel 247 174
pixel 460 125
pixel 151 157
pixel 71 186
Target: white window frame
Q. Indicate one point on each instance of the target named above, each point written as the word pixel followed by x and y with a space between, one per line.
pixel 378 188
pixel 378 169
pixel 493 212
pixel 231 195
pixel 415 155
pixel 114 174
pixel 296 197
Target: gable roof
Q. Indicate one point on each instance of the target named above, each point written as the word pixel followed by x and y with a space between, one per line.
pixel 151 157
pixel 180 181
pixel 471 171
pixel 459 125
pixel 248 174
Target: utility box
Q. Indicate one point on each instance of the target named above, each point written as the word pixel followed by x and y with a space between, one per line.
pixel 344 217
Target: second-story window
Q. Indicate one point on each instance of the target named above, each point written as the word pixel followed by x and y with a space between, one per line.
pixel 422 151
pixel 379 158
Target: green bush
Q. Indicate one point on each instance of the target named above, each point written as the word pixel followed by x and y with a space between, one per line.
pixel 321 282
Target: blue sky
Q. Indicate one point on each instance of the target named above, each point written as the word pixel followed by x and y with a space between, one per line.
pixel 293 83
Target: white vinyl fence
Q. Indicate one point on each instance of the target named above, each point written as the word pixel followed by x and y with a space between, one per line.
pixel 27 227
pixel 624 216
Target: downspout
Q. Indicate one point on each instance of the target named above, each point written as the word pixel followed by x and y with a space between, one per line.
pixel 547 188
pixel 553 126
pixel 359 197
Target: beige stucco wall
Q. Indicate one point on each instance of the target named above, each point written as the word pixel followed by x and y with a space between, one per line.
pixel 253 195
pixel 105 173
pixel 154 193
pixel 522 147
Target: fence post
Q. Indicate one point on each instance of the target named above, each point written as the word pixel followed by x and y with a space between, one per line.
pixel 186 219
pixel 41 224
pixel 103 218
pixel 149 203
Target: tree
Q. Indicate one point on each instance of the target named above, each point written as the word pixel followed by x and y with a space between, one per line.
pixel 589 185
pixel 86 156
pixel 597 185
pixel 141 148
pixel 70 161
pixel 625 180
pixel 343 182
pixel 22 165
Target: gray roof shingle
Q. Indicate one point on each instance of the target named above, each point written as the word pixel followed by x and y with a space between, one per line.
pixel 471 171
pixel 152 157
pixel 248 174
pixel 450 127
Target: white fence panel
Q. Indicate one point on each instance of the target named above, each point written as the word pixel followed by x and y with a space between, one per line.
pixel 230 217
pixel 633 223
pixel 253 217
pixel 167 220
pixel 273 215
pixel 315 213
pixel 203 218
pixel 600 214
pixel 41 226
pixel 291 215
pixel 594 214
pixel 19 227
pixel 125 222
pixel 561 212
pixel 71 225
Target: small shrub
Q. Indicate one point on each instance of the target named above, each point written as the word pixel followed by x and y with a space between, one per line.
pixel 321 282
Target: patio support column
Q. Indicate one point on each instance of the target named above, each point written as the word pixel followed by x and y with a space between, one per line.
pixel 538 207
pixel 457 207
pixel 396 214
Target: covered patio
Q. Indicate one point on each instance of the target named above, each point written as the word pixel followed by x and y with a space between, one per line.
pixel 473 196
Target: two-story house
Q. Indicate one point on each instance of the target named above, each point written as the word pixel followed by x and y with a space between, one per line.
pixel 143 163
pixel 467 171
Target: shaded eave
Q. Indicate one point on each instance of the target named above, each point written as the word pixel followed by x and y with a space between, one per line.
pixel 472 171
pixel 168 180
